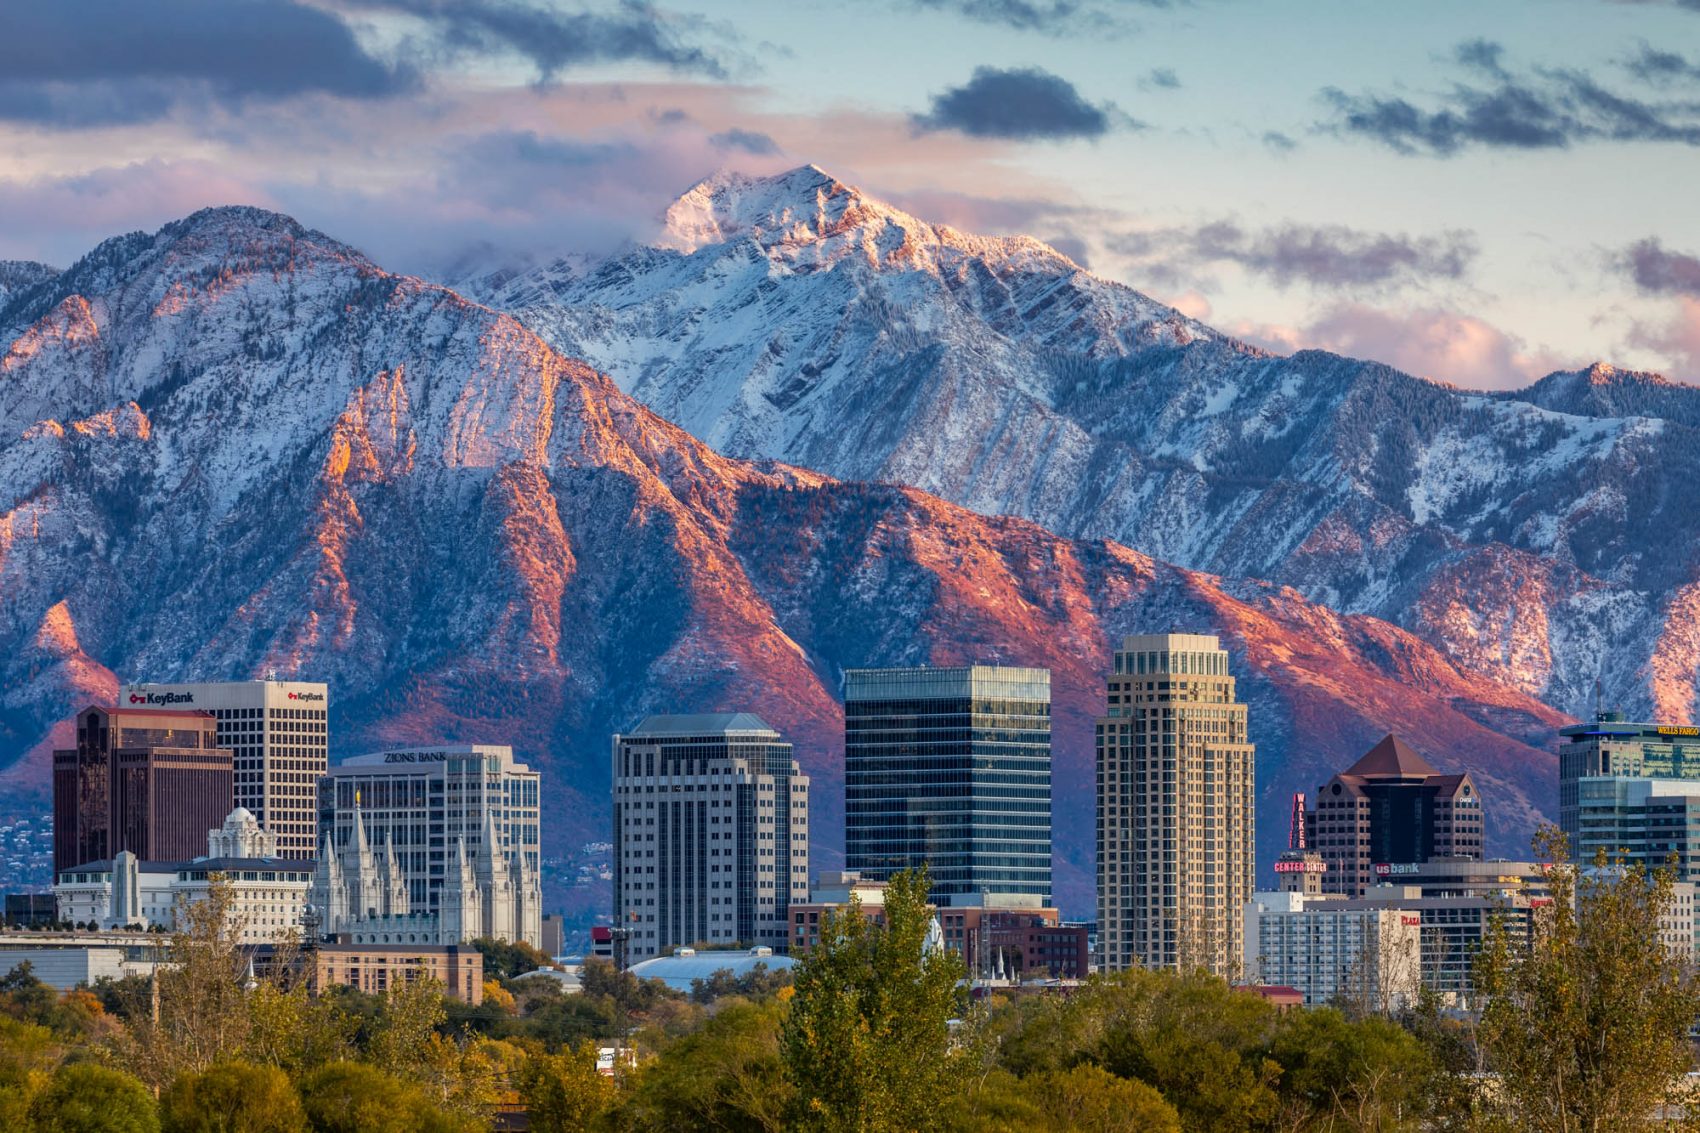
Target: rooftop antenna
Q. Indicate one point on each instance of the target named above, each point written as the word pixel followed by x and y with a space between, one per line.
pixel 1599 700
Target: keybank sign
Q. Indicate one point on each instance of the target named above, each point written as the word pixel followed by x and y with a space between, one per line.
pixel 160 699
pixel 308 697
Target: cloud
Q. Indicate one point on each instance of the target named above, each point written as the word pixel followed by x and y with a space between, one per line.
pixel 1325 256
pixel 554 40
pixel 1279 142
pixel 749 141
pixel 1662 68
pixel 1659 272
pixel 1160 78
pixel 58 219
pixel 1027 104
pixel 112 61
pixel 1677 339
pixel 1435 343
pixel 1546 108
pixel 1048 17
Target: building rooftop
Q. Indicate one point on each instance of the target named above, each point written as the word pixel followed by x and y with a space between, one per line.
pixel 1392 758
pixel 220 865
pixel 677 971
pixel 700 724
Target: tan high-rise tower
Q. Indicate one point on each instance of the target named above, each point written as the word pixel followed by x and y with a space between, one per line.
pixel 1176 784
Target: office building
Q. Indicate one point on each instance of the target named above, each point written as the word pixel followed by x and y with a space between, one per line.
pixel 280 734
pixel 377 969
pixel 1332 950
pixel 951 769
pixel 1176 785
pixel 267 893
pixel 1018 941
pixel 152 781
pixel 1613 746
pixel 1391 806
pixel 430 845
pixel 1457 902
pixel 711 833
pixel 1637 821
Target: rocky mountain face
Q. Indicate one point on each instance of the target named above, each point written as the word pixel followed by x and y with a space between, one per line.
pixel 1546 539
pixel 236 446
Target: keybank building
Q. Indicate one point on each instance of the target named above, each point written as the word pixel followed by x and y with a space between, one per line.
pixel 951 768
pixel 1610 746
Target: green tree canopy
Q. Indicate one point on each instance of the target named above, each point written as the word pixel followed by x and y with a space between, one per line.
pixel 867 1044
pixel 83 1097
pixel 564 1093
pixel 233 1097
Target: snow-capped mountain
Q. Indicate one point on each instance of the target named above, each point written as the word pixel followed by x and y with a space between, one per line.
pixel 236 446
pixel 15 275
pixel 1547 538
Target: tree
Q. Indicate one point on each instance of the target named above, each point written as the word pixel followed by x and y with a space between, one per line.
pixel 867 1044
pixel 1092 1100
pixel 1364 1074
pixel 351 1097
pixel 83 1097
pixel 1586 1019
pixel 564 1093
pixel 203 1012
pixel 726 1075
pixel 28 1053
pixel 504 959
pixel 1198 1041
pixel 233 1097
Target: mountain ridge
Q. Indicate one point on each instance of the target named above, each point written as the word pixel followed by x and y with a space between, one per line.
pixel 1014 382
pixel 261 452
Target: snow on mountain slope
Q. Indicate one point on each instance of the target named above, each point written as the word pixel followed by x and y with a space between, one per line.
pixel 236 446
pixel 794 318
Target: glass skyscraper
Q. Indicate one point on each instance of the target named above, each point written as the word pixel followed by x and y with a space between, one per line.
pixel 950 768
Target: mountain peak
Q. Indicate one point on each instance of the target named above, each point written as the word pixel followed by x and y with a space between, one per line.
pixel 801 203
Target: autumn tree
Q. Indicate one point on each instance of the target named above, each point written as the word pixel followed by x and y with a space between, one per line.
pixel 726 1075
pixel 565 1093
pixel 1586 1019
pixel 233 1097
pixel 83 1097
pixel 867 1044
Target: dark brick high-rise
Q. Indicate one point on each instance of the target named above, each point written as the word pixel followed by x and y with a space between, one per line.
pixel 148 780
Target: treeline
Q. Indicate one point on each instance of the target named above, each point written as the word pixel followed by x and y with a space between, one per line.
pixel 1587 1029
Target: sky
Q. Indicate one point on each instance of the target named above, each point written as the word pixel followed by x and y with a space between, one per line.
pixel 1478 193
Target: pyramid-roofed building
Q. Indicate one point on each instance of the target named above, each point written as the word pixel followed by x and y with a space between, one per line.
pixel 1389 809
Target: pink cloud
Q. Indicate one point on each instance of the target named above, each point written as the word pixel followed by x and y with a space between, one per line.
pixel 1677 339
pixel 1431 342
pixel 57 219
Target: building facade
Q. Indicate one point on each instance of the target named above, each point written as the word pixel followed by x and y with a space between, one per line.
pixel 375 969
pixel 152 781
pixel 430 845
pixel 1391 806
pixel 950 768
pixel 711 833
pixel 268 894
pixel 1334 950
pixel 1613 746
pixel 1646 822
pixel 279 732
pixel 1176 787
